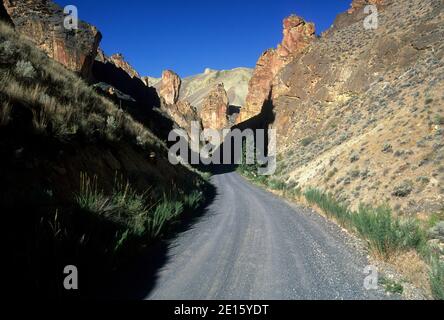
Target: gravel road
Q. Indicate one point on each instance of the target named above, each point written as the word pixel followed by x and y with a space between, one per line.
pixel 250 244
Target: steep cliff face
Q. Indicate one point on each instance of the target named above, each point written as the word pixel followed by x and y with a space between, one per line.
pixel 117 73
pixel 181 112
pixel 214 111
pixel 359 112
pixel 3 14
pixel 297 35
pixel 42 22
pixel 212 100
pixel 170 87
pixel 119 61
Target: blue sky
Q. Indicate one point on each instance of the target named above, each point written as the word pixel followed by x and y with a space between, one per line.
pixel 188 36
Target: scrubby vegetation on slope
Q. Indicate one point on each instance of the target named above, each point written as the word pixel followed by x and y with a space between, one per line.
pixel 386 234
pixel 359 116
pixel 81 182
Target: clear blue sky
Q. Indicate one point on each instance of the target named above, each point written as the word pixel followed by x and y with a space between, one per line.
pixel 190 35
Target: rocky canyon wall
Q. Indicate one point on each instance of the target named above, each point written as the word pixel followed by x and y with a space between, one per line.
pixel 42 22
pixel 297 35
pixel 358 112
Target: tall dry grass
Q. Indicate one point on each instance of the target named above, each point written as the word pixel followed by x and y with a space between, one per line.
pixel 58 99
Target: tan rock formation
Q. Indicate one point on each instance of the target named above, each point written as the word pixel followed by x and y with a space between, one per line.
pixel 214 109
pixel 260 84
pixel 146 81
pixel 119 61
pixel 42 22
pixel 101 56
pixel 358 4
pixel 350 112
pixel 170 87
pixel 297 35
pixel 183 114
pixel 152 82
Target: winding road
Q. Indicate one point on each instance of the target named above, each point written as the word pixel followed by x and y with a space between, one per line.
pixel 251 244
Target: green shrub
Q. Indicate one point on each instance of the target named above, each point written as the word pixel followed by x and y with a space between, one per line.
pixel 331 207
pixel 206 176
pixel 331 174
pixel 25 69
pixel 435 218
pixel 164 212
pixel 140 215
pixel 260 179
pixel 423 180
pixel 387 148
pixel 436 278
pixel 384 233
pixel 391 285
pixel 7 51
pixel 293 191
pixel 307 141
pixel 249 170
pixel 354 157
pixel 411 235
pixel 193 200
pixel 275 184
pixel 90 198
pixel 439 120
pixel 403 190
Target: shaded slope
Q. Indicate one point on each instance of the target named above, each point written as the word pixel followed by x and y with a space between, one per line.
pixel 82 181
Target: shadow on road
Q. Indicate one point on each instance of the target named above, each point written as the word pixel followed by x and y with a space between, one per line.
pixel 138 277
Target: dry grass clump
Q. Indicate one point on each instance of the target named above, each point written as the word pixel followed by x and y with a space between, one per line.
pixel 5 113
pixel 413 267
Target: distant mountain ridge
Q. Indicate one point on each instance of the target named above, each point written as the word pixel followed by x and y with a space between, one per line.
pixel 195 89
